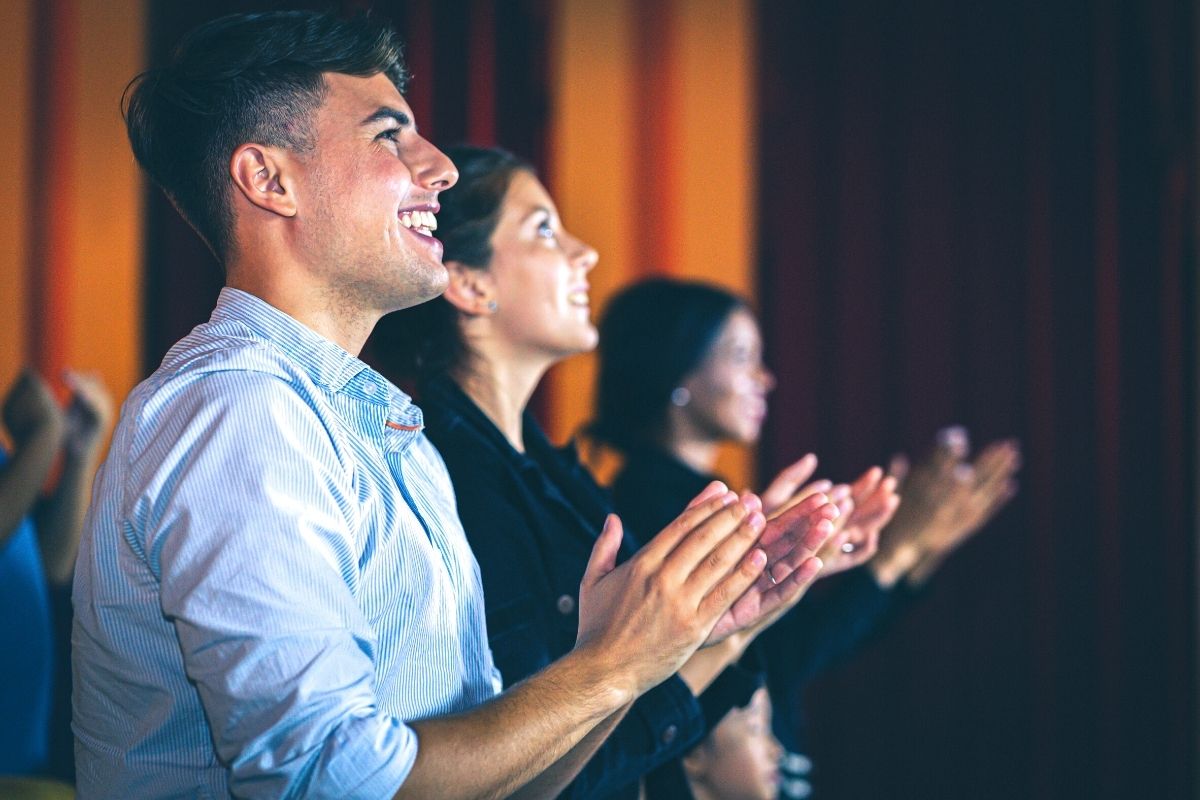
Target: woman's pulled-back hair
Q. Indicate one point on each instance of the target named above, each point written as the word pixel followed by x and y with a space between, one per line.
pixel 420 343
pixel 651 336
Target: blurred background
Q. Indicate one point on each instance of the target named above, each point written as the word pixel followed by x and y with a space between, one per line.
pixel 945 212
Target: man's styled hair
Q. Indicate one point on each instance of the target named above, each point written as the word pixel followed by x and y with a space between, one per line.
pixel 238 79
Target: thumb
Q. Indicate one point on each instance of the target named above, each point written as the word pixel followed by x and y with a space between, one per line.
pixel 788 482
pixel 604 553
pixel 898 468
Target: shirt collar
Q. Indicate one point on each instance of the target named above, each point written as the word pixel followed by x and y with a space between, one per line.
pixel 327 364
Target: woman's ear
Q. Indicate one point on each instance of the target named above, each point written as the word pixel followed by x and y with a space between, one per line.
pixel 472 291
pixel 259 173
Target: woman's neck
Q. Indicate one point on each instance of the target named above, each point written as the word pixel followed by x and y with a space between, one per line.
pixel 502 390
pixel 699 454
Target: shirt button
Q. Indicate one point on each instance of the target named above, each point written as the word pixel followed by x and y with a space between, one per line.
pixel 369 388
pixel 566 604
pixel 669 733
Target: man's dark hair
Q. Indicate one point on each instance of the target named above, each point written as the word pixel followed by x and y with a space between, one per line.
pixel 420 343
pixel 238 79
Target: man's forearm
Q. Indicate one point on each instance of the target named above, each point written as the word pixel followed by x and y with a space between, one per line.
pixel 500 747
pixel 552 782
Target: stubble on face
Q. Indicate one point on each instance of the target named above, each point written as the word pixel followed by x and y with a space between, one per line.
pixel 355 185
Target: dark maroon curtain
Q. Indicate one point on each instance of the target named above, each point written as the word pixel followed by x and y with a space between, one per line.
pixel 479 76
pixel 983 213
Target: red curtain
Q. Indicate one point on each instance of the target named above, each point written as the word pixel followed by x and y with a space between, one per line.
pixel 982 213
pixel 479 75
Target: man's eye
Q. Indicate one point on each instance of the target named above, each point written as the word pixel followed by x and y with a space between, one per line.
pixel 391 134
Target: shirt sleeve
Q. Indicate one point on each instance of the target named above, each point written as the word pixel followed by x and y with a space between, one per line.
pixel 251 532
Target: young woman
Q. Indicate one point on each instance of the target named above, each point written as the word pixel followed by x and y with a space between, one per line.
pixel 681 373
pixel 517 302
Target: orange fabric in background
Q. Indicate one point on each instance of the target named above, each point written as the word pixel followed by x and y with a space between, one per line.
pixel 70 224
pixel 653 160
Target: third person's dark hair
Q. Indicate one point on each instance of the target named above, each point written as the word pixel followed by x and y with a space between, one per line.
pixel 652 335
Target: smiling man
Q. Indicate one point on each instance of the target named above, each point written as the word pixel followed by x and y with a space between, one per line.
pixel 274 596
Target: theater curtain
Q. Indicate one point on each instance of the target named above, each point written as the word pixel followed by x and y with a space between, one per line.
pixel 70 198
pixel 983 214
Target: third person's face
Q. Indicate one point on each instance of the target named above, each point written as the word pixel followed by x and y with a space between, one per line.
pixel 729 388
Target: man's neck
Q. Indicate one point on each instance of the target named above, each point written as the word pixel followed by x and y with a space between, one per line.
pixel 329 316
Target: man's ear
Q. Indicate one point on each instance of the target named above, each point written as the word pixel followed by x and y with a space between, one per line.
pixel 259 174
pixel 470 290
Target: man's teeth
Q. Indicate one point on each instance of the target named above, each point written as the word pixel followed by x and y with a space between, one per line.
pixel 421 220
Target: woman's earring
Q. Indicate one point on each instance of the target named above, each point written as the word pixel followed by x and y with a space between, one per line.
pixel 492 306
pixel 680 396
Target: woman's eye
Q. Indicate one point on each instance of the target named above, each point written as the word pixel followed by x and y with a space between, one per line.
pixel 545 231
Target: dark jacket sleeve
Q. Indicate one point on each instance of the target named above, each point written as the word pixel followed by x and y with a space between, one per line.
pixel 823 629
pixel 530 590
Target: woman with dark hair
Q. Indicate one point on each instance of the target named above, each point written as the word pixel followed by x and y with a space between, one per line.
pixel 517 302
pixel 681 373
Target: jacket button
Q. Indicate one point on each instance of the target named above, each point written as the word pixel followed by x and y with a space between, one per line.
pixel 669 733
pixel 566 604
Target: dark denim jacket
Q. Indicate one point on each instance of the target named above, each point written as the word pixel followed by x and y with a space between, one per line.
pixel 531 519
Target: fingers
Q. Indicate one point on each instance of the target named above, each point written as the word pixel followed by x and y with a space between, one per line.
pixel 898 467
pixel 724 557
pixel 728 590
pixel 788 590
pixel 692 516
pixel 604 552
pixel 788 482
pixel 795 522
pixel 816 487
pixel 995 465
pixel 804 538
pixel 714 547
pixel 877 509
pixel 866 484
pixel 712 490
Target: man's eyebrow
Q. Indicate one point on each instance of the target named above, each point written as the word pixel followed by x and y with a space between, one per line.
pixel 385 112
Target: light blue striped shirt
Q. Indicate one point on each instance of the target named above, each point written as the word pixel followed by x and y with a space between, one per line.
pixel 272 577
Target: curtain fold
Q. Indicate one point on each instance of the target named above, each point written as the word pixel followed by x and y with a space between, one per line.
pixel 983 215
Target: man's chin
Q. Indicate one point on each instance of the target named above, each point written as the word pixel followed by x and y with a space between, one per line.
pixel 423 285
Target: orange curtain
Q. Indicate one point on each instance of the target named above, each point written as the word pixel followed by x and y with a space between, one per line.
pixel 652 158
pixel 70 227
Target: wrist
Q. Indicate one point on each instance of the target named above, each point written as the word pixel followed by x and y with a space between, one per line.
pixel 607 684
